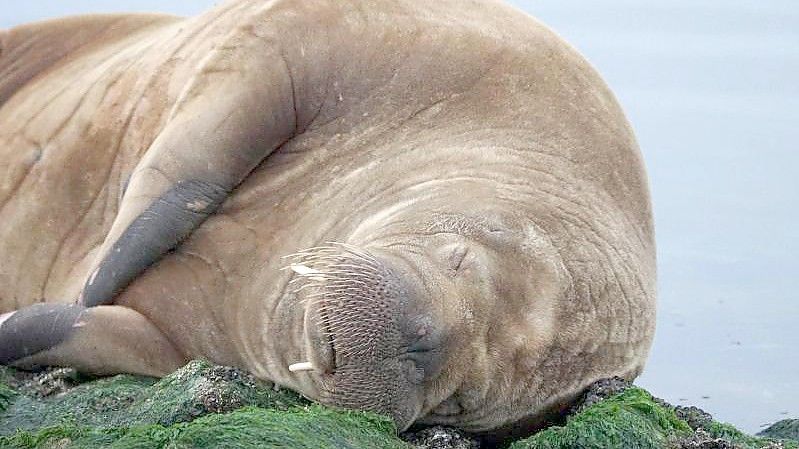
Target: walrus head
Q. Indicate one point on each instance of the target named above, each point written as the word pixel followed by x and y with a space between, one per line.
pixel 435 317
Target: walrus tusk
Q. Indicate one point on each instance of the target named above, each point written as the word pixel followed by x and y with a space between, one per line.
pixel 6 316
pixel 303 270
pixel 302 366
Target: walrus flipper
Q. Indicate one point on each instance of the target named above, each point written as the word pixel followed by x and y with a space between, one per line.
pixel 228 120
pixel 164 224
pixel 100 340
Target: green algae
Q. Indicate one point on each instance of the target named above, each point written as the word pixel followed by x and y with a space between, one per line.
pixel 629 420
pixel 203 405
pixel 245 428
pixel 124 400
pixel 633 419
pixel 200 405
pixel 735 436
pixel 7 396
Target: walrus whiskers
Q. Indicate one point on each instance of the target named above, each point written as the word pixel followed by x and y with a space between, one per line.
pixel 352 292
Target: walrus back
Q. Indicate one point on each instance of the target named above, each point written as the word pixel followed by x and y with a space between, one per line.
pixel 28 50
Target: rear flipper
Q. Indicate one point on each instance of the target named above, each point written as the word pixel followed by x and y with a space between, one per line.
pixel 98 340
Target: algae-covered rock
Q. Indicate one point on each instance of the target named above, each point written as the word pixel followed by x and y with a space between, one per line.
pixel 741 440
pixel 633 419
pixel 630 419
pixel 200 405
pixel 787 429
pixel 693 416
pixel 599 391
pixel 207 406
pixel 194 390
pixel 245 428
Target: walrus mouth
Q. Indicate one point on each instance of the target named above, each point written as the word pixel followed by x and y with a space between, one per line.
pixel 355 302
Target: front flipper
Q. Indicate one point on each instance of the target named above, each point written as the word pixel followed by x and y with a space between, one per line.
pixel 167 221
pixel 99 340
pixel 234 113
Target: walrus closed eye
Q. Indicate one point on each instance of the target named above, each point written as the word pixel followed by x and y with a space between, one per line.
pixel 494 248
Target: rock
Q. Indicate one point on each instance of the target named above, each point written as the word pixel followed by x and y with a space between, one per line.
pixel 440 437
pixel 787 429
pixel 195 390
pixel 701 439
pixel 614 415
pixel 200 405
pixel 53 381
pixel 598 391
pixel 203 405
pixel 695 417
pixel 630 419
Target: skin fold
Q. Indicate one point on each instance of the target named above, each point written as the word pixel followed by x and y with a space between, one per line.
pixel 432 210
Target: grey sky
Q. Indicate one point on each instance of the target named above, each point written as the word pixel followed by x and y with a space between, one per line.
pixel 711 89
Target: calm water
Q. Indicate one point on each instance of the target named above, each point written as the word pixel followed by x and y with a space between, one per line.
pixel 712 89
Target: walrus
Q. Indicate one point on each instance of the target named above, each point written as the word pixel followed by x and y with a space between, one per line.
pixel 432 210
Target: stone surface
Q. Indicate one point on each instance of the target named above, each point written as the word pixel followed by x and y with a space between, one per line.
pixel 598 391
pixel 440 437
pixel 695 417
pixel 202 405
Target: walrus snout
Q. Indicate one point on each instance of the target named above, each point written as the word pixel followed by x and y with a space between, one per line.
pixel 368 345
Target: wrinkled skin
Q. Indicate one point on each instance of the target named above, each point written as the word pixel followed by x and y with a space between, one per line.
pixel 493 247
